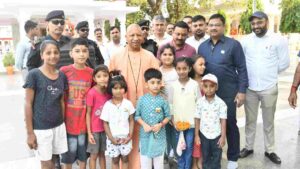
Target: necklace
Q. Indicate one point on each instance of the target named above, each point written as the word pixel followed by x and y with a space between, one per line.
pixel 136 80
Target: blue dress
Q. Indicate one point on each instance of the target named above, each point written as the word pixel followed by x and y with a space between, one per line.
pixel 152 110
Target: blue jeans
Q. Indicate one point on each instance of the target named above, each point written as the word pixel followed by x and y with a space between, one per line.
pixel 185 160
pixel 77 145
pixel 211 153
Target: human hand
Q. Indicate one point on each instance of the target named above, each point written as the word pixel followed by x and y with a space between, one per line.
pixel 126 140
pixel 240 99
pixel 156 127
pixel 115 141
pixel 293 99
pixel 91 138
pixel 31 141
pixel 221 141
pixel 147 128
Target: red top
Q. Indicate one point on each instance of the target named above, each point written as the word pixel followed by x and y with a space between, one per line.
pixel 79 82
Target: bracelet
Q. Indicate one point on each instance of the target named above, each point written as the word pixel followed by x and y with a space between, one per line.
pixel 294 89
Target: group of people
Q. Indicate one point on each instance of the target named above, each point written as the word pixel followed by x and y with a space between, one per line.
pixel 145 105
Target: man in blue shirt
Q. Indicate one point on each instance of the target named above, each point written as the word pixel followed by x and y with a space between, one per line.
pixel 225 59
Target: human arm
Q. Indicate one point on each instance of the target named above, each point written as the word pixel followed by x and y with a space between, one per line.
pixel 20 52
pixel 109 134
pixel 88 124
pixel 283 54
pixel 131 128
pixel 293 93
pixel 197 140
pixel 29 98
pixel 240 63
pixel 138 116
pixel 99 56
pixel 63 106
pixel 222 141
pixel 167 117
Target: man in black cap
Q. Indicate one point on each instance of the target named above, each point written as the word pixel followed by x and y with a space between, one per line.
pixel 95 58
pixel 55 25
pixel 148 44
pixel 266 56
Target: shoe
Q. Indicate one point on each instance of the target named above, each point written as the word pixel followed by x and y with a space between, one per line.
pixel 245 152
pixel 273 157
pixel 232 165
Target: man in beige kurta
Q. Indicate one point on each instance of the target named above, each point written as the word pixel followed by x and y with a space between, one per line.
pixel 133 61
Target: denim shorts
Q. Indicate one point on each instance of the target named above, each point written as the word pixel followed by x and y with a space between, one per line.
pixel 77 145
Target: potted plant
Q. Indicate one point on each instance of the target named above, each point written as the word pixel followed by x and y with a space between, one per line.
pixel 9 62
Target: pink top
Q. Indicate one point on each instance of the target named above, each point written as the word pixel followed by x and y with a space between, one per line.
pixel 96 100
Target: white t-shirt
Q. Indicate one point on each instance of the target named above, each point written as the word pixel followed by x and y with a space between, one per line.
pixel 117 117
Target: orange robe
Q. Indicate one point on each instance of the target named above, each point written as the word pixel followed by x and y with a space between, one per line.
pixel 132 66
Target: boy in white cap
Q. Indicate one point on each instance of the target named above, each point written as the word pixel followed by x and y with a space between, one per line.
pixel 210 123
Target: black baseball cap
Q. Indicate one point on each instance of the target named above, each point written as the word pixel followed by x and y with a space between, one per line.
pixel 258 14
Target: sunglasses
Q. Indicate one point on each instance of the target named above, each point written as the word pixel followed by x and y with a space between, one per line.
pixel 58 21
pixel 144 28
pixel 84 30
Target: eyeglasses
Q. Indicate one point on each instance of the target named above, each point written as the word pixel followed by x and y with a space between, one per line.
pixel 144 28
pixel 58 21
pixel 84 30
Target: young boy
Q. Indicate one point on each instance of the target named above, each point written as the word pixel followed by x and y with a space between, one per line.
pixel 211 117
pixel 152 113
pixel 79 81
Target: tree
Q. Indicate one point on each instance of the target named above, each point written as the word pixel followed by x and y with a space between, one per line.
pixel 244 22
pixel 290 16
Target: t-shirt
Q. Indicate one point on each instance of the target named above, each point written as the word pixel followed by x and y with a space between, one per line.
pixel 79 82
pixel 47 111
pixel 96 100
pixel 118 117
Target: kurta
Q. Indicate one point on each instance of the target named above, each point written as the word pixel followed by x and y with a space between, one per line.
pixel 132 66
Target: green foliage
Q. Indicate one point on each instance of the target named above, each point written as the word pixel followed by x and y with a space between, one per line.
pixel 137 16
pixel 244 22
pixel 227 20
pixel 290 16
pixel 8 59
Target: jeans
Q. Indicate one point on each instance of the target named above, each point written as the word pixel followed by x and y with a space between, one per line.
pixel 171 139
pixel 185 160
pixel 211 153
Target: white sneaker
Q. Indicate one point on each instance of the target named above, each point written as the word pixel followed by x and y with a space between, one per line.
pixel 232 165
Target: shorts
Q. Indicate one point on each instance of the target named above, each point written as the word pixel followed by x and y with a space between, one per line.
pixel 100 146
pixel 77 149
pixel 51 141
pixel 117 150
pixel 197 151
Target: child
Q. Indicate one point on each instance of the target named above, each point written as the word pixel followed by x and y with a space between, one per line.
pixel 117 115
pixel 152 113
pixel 211 117
pixel 169 75
pixel 95 100
pixel 183 96
pixel 80 78
pixel 44 107
pixel 196 74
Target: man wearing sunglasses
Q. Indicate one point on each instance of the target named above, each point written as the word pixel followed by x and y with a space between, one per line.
pixel 148 44
pixel 95 58
pixel 55 26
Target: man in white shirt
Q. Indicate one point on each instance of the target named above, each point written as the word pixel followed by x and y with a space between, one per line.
pixel 115 41
pixel 24 46
pixel 160 36
pixel 266 56
pixel 188 20
pixel 198 29
pixel 101 45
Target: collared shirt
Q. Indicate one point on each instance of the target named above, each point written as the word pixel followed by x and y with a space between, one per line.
pixel 210 113
pixel 22 52
pixel 167 38
pixel 112 48
pixel 186 51
pixel 104 53
pixel 226 60
pixel 266 57
pixel 196 43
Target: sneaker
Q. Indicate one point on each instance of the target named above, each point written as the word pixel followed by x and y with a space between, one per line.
pixel 232 165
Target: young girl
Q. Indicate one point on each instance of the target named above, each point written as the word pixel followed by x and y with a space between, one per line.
pixel 44 107
pixel 183 95
pixel 117 115
pixel 196 74
pixel 169 74
pixel 95 100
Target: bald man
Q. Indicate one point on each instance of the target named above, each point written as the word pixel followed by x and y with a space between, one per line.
pixel 133 61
